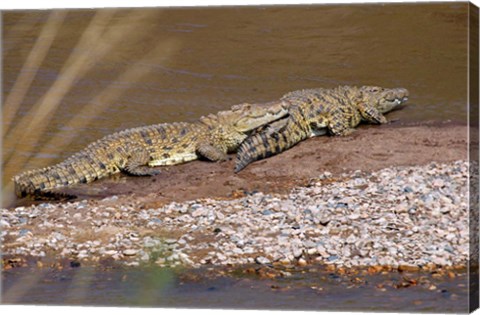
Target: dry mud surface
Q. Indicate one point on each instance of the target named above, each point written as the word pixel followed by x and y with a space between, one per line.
pixel 369 148
pixel 386 196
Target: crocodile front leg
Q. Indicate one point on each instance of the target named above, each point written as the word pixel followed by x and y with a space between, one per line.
pixel 371 114
pixel 341 122
pixel 211 152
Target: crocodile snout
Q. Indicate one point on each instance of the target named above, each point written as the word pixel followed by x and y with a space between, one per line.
pixel 402 94
pixel 398 95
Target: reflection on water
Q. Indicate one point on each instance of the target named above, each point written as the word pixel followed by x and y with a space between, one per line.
pixel 106 70
pixel 316 289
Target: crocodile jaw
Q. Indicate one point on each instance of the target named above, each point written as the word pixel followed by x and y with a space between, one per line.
pixel 256 118
pixel 385 106
pixel 384 99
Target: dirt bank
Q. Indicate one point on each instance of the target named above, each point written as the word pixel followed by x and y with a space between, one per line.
pixel 369 148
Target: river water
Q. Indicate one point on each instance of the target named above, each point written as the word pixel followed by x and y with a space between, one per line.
pixel 93 72
pixel 314 289
pixel 73 76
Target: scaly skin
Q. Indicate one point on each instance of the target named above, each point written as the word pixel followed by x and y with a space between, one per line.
pixel 137 151
pixel 317 112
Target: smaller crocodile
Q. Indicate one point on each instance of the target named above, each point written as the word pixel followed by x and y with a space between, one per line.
pixel 316 112
pixel 138 151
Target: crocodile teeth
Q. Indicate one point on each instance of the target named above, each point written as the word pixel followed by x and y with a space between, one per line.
pixel 400 100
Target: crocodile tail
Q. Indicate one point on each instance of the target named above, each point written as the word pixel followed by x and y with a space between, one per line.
pixel 26 183
pixel 46 195
pixel 270 141
pixel 40 183
pixel 254 148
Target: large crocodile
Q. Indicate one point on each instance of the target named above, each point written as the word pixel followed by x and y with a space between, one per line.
pixel 138 151
pixel 317 112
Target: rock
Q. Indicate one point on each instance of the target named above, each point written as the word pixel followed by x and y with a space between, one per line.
pixel 262 260
pixel 169 241
pixel 440 261
pixel 130 252
pixel 112 198
pixel 182 241
pixel 408 189
pixel 221 257
pixel 199 212
pixel 155 221
pixel 438 183
pixel 450 236
pixel 354 216
pixel 297 252
pixel 309 243
pixel 322 251
pixel 351 239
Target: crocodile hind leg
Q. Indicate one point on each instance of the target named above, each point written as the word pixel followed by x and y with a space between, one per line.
pixel 271 128
pixel 272 140
pixel 137 164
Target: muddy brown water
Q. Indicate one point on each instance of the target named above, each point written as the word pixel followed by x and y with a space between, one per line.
pixel 315 289
pixel 162 65
pixel 108 70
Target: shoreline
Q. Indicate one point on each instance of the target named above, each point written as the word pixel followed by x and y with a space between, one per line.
pixel 369 148
pixel 336 212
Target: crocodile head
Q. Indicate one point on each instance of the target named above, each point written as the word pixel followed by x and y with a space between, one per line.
pixel 247 117
pixel 383 99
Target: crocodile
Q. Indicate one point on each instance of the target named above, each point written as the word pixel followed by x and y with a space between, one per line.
pixel 316 112
pixel 139 151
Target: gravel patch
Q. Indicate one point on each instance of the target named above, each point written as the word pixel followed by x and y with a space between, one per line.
pixel 404 217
